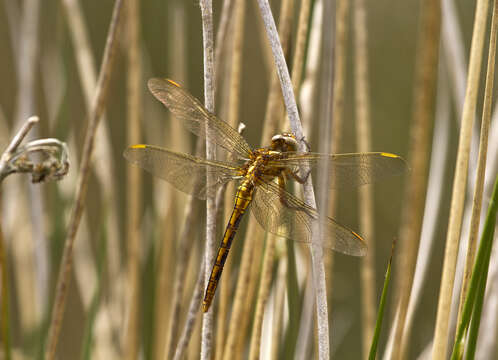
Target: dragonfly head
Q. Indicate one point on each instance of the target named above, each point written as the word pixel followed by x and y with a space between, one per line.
pixel 284 142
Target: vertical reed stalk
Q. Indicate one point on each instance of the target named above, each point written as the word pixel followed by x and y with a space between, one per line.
pixel 168 317
pixel 32 289
pixel 336 112
pixel 308 87
pixel 251 291
pixel 98 107
pixel 481 162
pixel 4 266
pixel 459 183
pixel 88 78
pixel 190 214
pixel 278 308
pixel 193 310
pixel 366 199
pixel 272 122
pixel 415 189
pixel 264 291
pixel 133 179
pixel 299 53
pixel 249 268
pixel 235 78
pixel 433 199
pixel 241 291
pixel 209 76
pixel 221 35
pixel 309 196
pixel 274 103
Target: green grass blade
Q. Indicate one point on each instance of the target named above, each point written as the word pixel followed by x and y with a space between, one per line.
pixel 476 314
pixel 487 239
pixel 380 313
pixel 480 268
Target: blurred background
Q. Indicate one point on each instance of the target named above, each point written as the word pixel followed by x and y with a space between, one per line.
pixel 44 73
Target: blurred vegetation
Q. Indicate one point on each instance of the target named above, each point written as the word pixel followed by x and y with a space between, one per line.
pixel 96 315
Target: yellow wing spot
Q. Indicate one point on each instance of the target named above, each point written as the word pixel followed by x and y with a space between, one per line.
pixel 138 146
pixel 172 82
pixel 389 155
pixel 358 236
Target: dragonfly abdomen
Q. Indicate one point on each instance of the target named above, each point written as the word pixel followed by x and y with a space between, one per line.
pixel 243 198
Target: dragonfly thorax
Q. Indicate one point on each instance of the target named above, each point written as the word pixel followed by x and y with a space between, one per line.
pixel 284 142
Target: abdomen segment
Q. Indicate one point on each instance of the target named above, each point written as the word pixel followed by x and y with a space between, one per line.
pixel 243 198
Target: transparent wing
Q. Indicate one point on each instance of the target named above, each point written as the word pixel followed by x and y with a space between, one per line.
pixel 185 172
pixel 283 214
pixel 348 169
pixel 197 118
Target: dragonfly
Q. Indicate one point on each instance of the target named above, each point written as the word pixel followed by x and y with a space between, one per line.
pixel 262 175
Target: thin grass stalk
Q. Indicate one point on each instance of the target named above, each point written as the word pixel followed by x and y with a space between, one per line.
pixel 274 103
pixel 12 13
pixel 278 308
pixel 453 47
pixel 306 332
pixel 249 268
pixel 265 47
pixel 433 199
pixel 270 126
pixel 263 293
pixel 416 186
pixel 335 114
pixel 221 35
pixel 325 117
pixel 309 196
pixel 133 180
pixel 189 216
pixel 235 77
pixel 372 354
pixel 193 310
pixel 308 87
pixel 104 172
pixel 486 344
pixel 478 270
pixel 300 52
pixel 209 76
pixel 32 289
pixel 5 324
pixel 476 314
pixel 365 199
pixel 272 123
pixel 87 75
pixel 251 293
pixel 481 162
pixel 241 291
pixel 27 58
pixel 308 90
pixel 98 107
pixel 168 317
pixel 233 120
pixel 459 182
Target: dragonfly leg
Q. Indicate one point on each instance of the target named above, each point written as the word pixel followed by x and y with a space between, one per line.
pixel 299 179
pixel 283 198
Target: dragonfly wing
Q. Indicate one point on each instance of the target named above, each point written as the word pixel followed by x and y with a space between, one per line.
pixel 348 169
pixel 197 118
pixel 185 172
pixel 283 214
